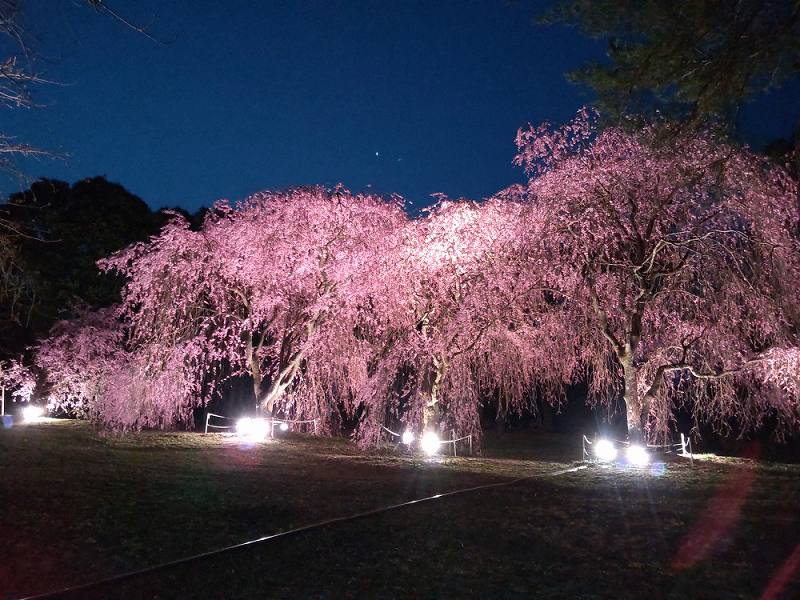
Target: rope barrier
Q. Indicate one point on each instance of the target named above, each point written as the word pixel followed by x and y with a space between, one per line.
pixel 684 446
pixel 293 532
pixel 220 416
pixel 295 421
pixel 392 432
pixel 466 437
pixel 274 421
pixel 441 442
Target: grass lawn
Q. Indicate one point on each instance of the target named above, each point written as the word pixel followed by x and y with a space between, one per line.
pixel 78 506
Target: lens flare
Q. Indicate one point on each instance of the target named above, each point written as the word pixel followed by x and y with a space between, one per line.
pixel 252 430
pixel 605 451
pixel 32 413
pixel 430 443
pixel 637 455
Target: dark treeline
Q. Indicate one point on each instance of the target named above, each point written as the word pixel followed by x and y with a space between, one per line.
pixel 57 233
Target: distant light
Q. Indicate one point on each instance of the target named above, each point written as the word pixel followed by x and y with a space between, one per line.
pixel 284 427
pixel 253 430
pixel 637 455
pixel 32 413
pixel 430 443
pixel 605 451
pixel 408 437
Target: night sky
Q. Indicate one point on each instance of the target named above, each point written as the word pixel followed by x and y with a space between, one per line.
pixel 406 97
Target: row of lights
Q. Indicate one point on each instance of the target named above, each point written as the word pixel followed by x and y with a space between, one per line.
pixel 256 430
pixel 606 451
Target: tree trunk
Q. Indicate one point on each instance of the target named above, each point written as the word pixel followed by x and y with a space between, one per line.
pixel 501 417
pixel 258 384
pixel 633 407
pixel 430 417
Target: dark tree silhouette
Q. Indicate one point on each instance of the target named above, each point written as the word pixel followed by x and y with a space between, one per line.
pixel 699 60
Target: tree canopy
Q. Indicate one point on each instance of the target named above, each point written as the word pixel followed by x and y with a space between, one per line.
pixel 676 264
pixel 49 264
pixel 697 60
pixel 662 272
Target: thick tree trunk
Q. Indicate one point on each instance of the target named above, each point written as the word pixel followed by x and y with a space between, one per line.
pixel 430 412
pixel 290 363
pixel 269 397
pixel 633 406
pixel 265 399
pixel 258 384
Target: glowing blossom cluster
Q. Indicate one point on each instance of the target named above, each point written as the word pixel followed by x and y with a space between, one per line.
pixel 19 379
pixel 659 270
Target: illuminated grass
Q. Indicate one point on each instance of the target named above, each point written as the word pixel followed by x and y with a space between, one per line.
pixel 80 506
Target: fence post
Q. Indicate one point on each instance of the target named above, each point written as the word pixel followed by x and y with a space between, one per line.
pixel 207 416
pixel 470 445
pixel 683 444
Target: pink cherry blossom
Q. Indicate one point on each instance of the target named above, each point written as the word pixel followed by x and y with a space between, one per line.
pixel 674 258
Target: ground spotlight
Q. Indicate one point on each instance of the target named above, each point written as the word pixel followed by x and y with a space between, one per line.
pixel 637 455
pixel 284 427
pixel 32 413
pixel 605 451
pixel 253 430
pixel 408 437
pixel 430 443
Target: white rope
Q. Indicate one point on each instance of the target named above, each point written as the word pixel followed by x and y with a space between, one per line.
pixel 221 416
pixel 466 437
pixel 295 421
pixel 456 440
pixel 274 419
pixel 671 447
pixel 628 443
pixel 392 432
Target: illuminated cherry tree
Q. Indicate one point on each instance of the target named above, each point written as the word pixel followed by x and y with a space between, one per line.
pixel 658 264
pixel 18 379
pixel 455 335
pixel 672 262
pixel 272 288
pixel 77 359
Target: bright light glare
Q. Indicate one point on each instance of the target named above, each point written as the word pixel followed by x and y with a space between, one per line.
pixel 604 450
pixel 430 443
pixel 408 437
pixel 251 429
pixel 284 427
pixel 637 455
pixel 32 413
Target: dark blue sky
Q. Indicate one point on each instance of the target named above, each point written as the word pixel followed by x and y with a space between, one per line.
pixel 408 97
